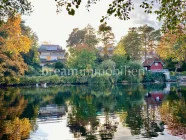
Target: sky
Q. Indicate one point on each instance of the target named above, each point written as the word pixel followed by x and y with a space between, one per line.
pixel 55 28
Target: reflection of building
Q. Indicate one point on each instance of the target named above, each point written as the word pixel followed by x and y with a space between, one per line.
pixel 51 111
pixel 154 98
pixel 51 53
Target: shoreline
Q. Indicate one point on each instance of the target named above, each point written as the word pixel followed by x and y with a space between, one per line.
pixel 80 84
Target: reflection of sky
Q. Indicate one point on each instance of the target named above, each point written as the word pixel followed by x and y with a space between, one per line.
pixel 59 131
pixel 52 131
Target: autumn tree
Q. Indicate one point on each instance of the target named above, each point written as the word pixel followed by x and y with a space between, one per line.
pixel 12 105
pixel 173 46
pixel 120 49
pixel 17 129
pixel 12 43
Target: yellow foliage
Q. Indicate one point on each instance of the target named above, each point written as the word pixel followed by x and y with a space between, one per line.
pixel 173 46
pixel 120 50
pixel 12 43
pixel 17 129
pixel 15 42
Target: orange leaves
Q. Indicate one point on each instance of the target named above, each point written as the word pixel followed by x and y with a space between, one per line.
pixel 15 42
pixel 12 43
pixel 173 45
pixel 17 129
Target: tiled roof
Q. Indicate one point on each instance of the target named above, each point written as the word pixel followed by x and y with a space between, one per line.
pixel 50 47
pixel 150 61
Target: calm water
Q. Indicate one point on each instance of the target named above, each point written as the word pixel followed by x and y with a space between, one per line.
pixel 122 112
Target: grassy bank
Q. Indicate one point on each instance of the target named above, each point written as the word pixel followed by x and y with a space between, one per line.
pixel 88 79
pixel 103 79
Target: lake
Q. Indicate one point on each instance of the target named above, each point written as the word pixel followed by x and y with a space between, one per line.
pixel 120 112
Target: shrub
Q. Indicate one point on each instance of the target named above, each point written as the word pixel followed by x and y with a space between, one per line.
pixel 100 80
pixel 153 76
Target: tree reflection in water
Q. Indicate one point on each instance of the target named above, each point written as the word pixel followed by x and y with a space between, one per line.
pixel 96 112
pixel 173 113
pixel 12 105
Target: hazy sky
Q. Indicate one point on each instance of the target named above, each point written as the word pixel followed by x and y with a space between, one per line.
pixel 55 28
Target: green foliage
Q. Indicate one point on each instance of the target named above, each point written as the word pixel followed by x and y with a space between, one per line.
pixel 154 87
pixel 132 43
pixel 153 76
pixel 108 65
pixel 134 65
pixel 101 80
pixel 169 64
pixel 55 79
pixel 120 61
pixel 10 8
pixel 31 58
pixel 149 36
pixel 59 65
pixel 132 72
pixel 84 36
pixel 107 36
pixel 81 58
pixel 33 71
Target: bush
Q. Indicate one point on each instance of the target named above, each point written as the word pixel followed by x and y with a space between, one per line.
pixel 33 71
pixel 153 76
pixel 132 72
pixel 108 64
pixel 101 80
pixel 54 79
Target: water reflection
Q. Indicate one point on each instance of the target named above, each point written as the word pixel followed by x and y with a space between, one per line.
pixel 92 113
pixel 12 104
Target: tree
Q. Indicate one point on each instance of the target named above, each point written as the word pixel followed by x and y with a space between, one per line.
pixel 107 36
pixel 173 46
pixel 132 43
pixel 81 57
pixel 120 61
pixel 17 129
pixel 59 65
pixel 32 57
pixel 9 8
pixel 85 36
pixel 120 49
pixel 90 37
pixel 171 12
pixel 76 37
pixel 149 37
pixel 12 43
pixel 108 65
